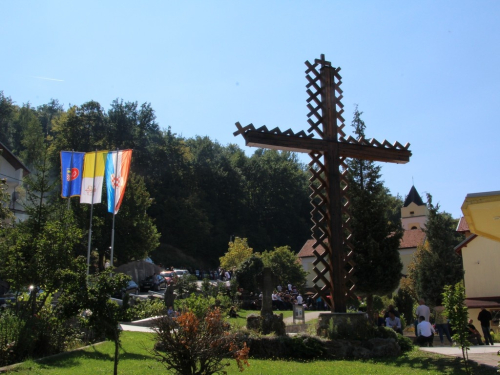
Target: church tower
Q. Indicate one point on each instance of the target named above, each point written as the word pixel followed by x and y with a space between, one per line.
pixel 414 211
pixel 414 215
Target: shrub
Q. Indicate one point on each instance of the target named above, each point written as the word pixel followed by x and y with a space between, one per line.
pixel 143 309
pixel 191 344
pixel 36 336
pixel 301 347
pixel 405 343
pixel 348 331
pixel 10 328
pixel 200 305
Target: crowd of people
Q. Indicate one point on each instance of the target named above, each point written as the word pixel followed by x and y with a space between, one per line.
pixel 425 330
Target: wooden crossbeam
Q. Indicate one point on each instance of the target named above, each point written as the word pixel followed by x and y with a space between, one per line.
pixel 299 144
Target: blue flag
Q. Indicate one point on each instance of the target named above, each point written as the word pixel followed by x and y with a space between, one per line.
pixel 71 173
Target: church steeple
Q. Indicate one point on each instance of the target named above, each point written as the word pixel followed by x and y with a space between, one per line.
pixel 413 197
pixel 414 211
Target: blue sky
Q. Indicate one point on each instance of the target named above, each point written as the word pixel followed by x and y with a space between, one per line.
pixel 423 72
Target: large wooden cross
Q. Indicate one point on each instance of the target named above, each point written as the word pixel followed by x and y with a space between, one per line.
pixel 334 266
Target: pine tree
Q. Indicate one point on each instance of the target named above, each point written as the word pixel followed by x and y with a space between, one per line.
pixel 436 264
pixel 375 236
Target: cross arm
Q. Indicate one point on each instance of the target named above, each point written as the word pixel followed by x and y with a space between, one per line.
pixel 300 144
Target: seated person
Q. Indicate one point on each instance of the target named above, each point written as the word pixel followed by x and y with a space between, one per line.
pixel 170 312
pixel 393 322
pixel 233 313
pixel 425 332
pixel 474 335
pixel 391 308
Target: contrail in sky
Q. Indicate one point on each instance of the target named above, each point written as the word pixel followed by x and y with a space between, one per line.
pixel 49 79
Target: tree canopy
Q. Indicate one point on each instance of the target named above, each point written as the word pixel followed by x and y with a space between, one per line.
pixel 186 196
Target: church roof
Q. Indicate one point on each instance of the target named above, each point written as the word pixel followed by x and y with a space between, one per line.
pixel 307 249
pixel 413 197
pixel 13 160
pixel 412 238
pixel 462 225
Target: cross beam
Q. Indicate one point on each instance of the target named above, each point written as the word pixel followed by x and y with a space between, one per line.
pixel 331 230
pixel 255 138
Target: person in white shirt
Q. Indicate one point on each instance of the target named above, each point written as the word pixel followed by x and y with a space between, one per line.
pixel 299 300
pixel 425 332
pixel 422 310
pixel 393 322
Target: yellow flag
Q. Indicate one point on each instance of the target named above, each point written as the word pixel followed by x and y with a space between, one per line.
pixel 93 162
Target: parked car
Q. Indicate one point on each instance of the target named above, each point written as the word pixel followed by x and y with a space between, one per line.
pixel 181 273
pixel 169 276
pixel 148 283
pixel 131 288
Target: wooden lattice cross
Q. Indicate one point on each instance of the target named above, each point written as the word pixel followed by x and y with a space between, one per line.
pixel 334 266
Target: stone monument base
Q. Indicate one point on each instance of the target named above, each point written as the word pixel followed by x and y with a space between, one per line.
pixel 324 320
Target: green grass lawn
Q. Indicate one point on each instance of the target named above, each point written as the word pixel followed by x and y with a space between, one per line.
pixel 135 359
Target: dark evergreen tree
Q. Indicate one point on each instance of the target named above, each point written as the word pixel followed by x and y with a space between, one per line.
pixel 375 236
pixel 7 110
pixel 436 264
pixel 277 201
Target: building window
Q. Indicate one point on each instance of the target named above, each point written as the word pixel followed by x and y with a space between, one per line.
pixel 414 227
pixel 412 212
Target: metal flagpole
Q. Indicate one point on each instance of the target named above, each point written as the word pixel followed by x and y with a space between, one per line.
pixel 70 172
pixel 91 214
pixel 114 206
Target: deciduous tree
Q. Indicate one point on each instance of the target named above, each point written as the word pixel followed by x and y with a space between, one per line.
pixel 238 252
pixel 285 266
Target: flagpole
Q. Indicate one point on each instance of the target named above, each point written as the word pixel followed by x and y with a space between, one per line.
pixel 70 171
pixel 114 206
pixel 91 215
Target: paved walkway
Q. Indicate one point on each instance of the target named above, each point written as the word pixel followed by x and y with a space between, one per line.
pixel 482 354
pixel 309 315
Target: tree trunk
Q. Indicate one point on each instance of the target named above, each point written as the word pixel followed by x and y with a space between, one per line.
pixel 117 346
pixel 267 290
pixel 369 306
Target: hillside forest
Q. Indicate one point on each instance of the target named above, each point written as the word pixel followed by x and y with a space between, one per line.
pixel 186 197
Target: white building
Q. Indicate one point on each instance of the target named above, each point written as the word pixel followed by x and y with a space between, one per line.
pixel 12 170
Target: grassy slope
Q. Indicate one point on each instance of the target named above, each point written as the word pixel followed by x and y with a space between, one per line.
pixel 135 359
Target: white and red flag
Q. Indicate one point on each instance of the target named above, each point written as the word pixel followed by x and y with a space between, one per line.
pixel 117 168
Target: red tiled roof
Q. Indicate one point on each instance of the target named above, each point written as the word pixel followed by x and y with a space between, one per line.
pixel 412 238
pixel 464 243
pixel 462 225
pixel 307 249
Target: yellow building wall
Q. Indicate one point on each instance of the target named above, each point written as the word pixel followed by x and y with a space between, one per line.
pixel 481 261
